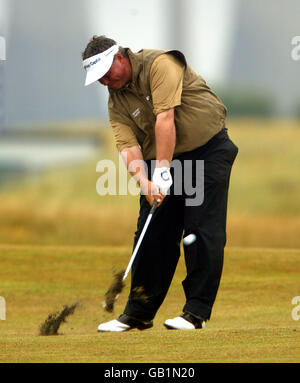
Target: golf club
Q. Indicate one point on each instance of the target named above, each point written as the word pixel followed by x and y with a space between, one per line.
pixel 113 292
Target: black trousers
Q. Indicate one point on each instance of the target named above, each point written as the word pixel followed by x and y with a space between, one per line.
pixel 156 261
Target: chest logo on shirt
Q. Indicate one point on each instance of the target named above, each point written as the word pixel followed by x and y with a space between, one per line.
pixel 136 113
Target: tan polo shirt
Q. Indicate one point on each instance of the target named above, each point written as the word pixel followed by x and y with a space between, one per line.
pixel 171 83
pixel 166 78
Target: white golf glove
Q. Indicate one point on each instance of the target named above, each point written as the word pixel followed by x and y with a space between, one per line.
pixel 162 179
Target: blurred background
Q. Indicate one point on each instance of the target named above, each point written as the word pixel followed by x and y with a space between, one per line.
pixel 53 130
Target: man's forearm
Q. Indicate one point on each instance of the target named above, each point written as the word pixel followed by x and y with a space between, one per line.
pixel 134 161
pixel 165 135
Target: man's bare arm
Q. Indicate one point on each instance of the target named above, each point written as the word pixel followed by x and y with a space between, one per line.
pixel 165 135
pixel 134 161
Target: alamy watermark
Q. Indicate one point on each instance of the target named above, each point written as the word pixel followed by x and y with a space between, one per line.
pixel 295 53
pixel 2 48
pixel 188 178
pixel 296 309
pixel 2 309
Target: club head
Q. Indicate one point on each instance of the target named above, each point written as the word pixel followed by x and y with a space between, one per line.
pixel 108 307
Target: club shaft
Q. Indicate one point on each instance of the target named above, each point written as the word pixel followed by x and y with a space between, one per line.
pixel 136 249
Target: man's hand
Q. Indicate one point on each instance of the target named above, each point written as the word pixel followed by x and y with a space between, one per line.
pixel 133 156
pixel 162 179
pixel 151 192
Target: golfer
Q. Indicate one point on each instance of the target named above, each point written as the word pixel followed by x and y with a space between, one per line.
pixel 161 111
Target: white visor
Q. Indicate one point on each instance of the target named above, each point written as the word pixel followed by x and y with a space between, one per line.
pixel 97 66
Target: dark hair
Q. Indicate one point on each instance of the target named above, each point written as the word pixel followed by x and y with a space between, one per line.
pixel 99 44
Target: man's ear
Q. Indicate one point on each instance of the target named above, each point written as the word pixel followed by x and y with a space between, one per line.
pixel 119 56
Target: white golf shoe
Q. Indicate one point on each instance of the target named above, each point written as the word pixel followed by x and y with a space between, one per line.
pixel 113 326
pixel 184 322
pixel 124 323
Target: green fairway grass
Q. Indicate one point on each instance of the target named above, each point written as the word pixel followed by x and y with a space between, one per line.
pixel 251 321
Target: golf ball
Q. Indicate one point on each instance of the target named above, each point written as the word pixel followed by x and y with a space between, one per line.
pixel 189 239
